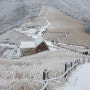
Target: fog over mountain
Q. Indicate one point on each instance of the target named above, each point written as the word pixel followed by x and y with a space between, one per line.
pixel 14 12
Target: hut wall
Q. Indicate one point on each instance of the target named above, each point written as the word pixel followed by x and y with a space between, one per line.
pixel 42 47
pixel 28 51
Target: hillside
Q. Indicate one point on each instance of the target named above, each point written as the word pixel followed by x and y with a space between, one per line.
pixel 63 28
pixel 53 25
pixel 14 12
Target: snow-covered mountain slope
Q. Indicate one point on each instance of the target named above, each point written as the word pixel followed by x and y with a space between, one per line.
pixel 65 29
pixel 14 12
pixel 61 28
pixel 51 24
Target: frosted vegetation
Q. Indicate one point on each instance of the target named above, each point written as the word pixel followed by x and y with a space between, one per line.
pixel 28 71
pixel 14 12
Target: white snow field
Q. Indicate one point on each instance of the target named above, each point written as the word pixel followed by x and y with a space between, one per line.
pixel 79 80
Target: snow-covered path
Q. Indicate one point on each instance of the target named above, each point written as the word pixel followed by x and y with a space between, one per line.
pixel 79 80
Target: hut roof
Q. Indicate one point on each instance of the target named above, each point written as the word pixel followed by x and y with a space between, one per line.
pixel 39 40
pixel 28 44
pixel 32 44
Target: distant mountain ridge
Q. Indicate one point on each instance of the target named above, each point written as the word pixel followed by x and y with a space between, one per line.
pixel 14 12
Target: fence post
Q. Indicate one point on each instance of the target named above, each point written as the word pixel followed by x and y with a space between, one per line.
pixel 88 60
pixel 65 70
pixel 71 64
pixel 79 61
pixel 45 77
pixel 83 60
pixel 75 64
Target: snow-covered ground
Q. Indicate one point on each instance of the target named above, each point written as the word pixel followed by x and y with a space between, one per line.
pixel 9 51
pixel 79 79
pixel 33 31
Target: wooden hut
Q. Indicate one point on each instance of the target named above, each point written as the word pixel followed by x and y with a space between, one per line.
pixel 33 47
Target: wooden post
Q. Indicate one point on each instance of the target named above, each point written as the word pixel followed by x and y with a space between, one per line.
pixel 75 64
pixel 79 61
pixel 83 60
pixel 65 70
pixel 88 59
pixel 45 77
pixel 71 64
